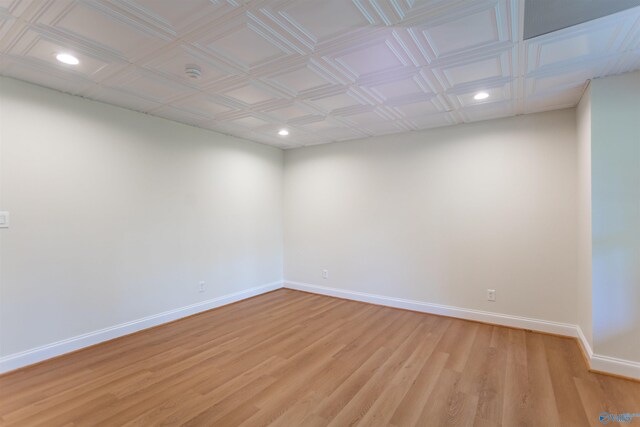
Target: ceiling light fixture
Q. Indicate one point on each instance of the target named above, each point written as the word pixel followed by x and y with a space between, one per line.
pixel 283 132
pixel 68 59
pixel 481 95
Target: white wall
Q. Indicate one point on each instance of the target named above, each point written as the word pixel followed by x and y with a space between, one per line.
pixel 441 215
pixel 583 296
pixel 117 215
pixel 615 148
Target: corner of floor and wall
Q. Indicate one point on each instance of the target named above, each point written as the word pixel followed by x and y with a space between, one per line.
pixel 128 221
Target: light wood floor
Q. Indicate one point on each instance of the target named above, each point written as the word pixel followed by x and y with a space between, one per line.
pixel 289 358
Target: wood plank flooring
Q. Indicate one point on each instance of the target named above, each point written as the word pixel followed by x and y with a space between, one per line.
pixel 289 358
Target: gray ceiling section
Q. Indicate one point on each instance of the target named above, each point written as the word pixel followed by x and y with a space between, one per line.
pixel 544 16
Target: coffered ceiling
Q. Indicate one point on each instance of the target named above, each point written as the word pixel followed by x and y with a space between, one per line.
pixel 327 70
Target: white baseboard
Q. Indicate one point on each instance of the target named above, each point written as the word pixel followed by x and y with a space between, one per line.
pixel 38 354
pixel 605 364
pixel 443 310
pixel 588 351
pixel 608 364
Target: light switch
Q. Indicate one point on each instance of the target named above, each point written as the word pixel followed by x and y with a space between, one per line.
pixel 4 219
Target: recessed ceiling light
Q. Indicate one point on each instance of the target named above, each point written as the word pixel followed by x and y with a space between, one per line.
pixel 481 95
pixel 283 132
pixel 65 58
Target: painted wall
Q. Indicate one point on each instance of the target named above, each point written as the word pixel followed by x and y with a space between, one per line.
pixel 615 159
pixel 583 296
pixel 117 215
pixel 442 215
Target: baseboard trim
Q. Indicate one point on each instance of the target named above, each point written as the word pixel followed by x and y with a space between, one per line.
pixel 42 353
pixel 587 351
pixel 519 322
pixel 595 363
pixel 608 365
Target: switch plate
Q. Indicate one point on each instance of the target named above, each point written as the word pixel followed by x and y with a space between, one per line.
pixel 4 219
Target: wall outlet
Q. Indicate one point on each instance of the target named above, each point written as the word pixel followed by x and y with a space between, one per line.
pixel 201 287
pixel 491 294
pixel 4 219
pixel 325 274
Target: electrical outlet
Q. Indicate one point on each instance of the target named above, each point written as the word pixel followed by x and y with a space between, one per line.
pixel 325 274
pixel 4 219
pixel 491 294
pixel 201 287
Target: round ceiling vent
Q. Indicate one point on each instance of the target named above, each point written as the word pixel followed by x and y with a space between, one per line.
pixel 193 71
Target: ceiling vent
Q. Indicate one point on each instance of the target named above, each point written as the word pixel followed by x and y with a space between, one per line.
pixel 193 71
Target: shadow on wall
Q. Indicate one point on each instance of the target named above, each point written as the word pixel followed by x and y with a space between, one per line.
pixel 616 291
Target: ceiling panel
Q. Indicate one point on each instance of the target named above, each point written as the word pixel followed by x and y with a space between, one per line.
pixel 364 60
pixel 204 105
pixel 431 121
pixel 336 102
pixel 59 79
pixel 149 85
pixel 410 87
pixel 245 46
pixel 327 70
pixel 174 17
pixel 174 60
pixel 497 93
pixel 125 99
pixel 420 108
pixel 94 24
pixel 321 20
pixel 479 28
pixel 496 67
pixel 306 78
pixel 251 94
pixel 291 113
pixel 37 47
pixel 582 44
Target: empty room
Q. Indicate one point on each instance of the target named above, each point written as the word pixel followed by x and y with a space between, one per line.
pixel 319 213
